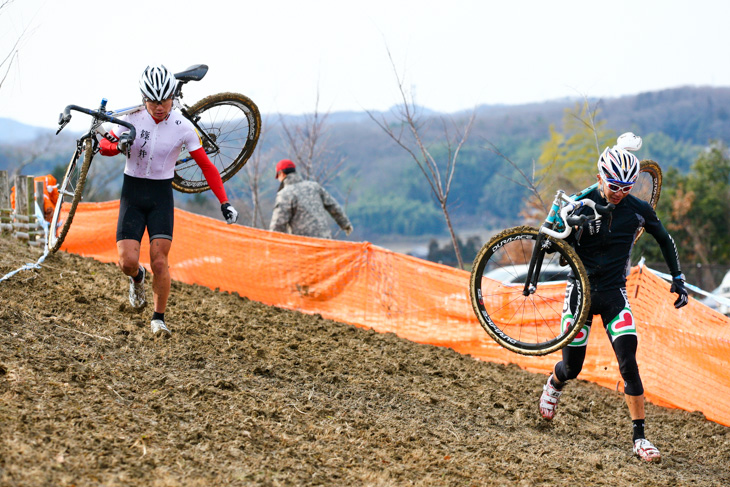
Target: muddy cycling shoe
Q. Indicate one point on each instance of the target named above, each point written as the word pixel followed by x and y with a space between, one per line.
pixel 159 329
pixel 646 451
pixel 136 290
pixel 549 400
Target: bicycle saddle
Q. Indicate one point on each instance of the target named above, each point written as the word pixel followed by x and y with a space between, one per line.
pixel 193 73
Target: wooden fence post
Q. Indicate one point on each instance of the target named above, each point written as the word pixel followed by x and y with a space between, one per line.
pixel 6 211
pixel 36 233
pixel 23 206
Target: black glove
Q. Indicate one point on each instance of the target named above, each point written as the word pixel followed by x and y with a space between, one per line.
pixel 124 145
pixel 229 213
pixel 678 287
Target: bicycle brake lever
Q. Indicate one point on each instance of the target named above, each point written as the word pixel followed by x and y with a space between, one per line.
pixel 63 120
pixel 576 220
pixel 605 210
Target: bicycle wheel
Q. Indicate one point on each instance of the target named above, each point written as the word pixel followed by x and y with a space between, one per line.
pixel 233 122
pixel 69 194
pixel 648 186
pixel 532 324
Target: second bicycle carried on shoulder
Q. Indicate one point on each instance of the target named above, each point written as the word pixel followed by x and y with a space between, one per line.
pixel 229 125
pixel 519 278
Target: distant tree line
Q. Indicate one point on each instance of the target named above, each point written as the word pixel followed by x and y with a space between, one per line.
pixel 445 254
pixel 384 194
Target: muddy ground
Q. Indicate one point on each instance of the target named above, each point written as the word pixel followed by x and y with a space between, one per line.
pixel 245 394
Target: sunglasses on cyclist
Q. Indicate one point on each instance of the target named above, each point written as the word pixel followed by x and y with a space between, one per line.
pixel 619 188
pixel 155 102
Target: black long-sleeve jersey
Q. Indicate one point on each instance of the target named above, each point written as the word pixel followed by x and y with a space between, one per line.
pixel 605 245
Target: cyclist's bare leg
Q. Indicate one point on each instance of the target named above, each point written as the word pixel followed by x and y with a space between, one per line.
pixel 636 406
pixel 635 403
pixel 128 251
pixel 159 250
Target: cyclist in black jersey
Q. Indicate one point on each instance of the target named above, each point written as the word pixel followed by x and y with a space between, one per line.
pixel 605 246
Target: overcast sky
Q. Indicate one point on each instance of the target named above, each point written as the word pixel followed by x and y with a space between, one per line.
pixel 454 54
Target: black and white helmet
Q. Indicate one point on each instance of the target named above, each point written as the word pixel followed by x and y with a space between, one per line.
pixel 157 83
pixel 618 166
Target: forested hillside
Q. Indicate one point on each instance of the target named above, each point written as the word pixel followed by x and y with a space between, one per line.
pixel 388 194
pixel 382 187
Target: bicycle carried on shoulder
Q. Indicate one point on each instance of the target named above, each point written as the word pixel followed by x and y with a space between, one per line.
pixel 229 125
pixel 519 278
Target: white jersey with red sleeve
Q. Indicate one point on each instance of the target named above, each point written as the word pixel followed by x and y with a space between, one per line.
pixel 157 145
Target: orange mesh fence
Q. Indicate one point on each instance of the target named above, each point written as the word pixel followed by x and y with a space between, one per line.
pixel 683 354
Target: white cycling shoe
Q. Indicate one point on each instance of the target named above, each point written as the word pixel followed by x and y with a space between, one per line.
pixel 646 451
pixel 136 290
pixel 159 329
pixel 549 400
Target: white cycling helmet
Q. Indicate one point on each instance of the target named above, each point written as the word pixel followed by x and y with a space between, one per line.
pixel 618 166
pixel 157 83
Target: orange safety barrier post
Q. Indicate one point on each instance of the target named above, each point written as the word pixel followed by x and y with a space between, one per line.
pixel 684 354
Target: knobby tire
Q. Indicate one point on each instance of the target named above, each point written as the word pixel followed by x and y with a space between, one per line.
pixel 236 140
pixel 71 187
pixel 650 179
pixel 487 307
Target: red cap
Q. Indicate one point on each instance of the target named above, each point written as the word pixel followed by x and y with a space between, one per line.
pixel 284 164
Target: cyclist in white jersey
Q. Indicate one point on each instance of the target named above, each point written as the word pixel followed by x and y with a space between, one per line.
pixel 147 201
pixel 157 146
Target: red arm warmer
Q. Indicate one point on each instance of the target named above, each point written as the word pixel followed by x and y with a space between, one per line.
pixel 108 148
pixel 211 174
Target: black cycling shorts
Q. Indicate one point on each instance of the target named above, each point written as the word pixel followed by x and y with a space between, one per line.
pixel 145 203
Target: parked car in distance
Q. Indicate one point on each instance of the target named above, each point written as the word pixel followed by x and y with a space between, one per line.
pixel 723 291
pixel 518 273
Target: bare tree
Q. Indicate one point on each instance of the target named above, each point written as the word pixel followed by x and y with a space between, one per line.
pixel 253 172
pixel 11 56
pixel 590 121
pixel 565 163
pixel 531 182
pixel 695 228
pixel 102 172
pixel 409 134
pixel 30 153
pixel 309 143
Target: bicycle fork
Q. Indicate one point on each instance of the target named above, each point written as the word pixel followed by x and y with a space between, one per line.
pixel 533 270
pixel 541 245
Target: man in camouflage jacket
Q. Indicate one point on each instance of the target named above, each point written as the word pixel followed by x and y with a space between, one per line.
pixel 302 207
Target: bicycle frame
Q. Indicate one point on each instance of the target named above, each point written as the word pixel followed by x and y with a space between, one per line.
pixel 559 224
pixel 556 224
pixel 194 73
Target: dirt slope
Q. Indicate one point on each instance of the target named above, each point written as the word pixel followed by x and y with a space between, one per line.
pixel 245 394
